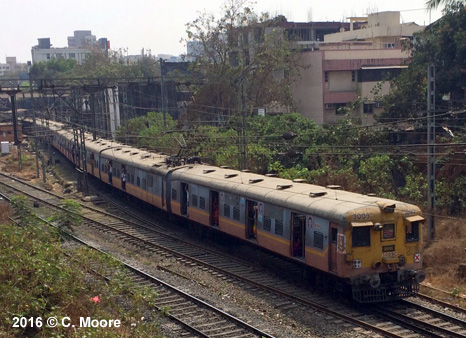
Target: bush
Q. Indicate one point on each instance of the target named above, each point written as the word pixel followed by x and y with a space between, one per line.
pixel 37 279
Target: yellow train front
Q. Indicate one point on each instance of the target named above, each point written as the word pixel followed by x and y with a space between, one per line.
pixel 368 245
pixel 381 259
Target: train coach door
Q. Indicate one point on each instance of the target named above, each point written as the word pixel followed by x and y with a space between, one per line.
pixel 251 219
pixel 298 235
pixel 214 208
pixel 333 247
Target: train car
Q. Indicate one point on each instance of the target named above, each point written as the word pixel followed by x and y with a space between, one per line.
pixel 368 245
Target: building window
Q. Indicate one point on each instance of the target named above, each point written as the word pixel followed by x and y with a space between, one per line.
pixel 368 108
pixel 326 76
pixel 339 108
pixel 72 55
pixel 353 76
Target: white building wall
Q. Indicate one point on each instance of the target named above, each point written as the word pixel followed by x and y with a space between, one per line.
pixel 78 54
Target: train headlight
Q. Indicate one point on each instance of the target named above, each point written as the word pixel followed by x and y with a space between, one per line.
pixel 378 227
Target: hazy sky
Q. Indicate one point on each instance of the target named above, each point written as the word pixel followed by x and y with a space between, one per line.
pixel 159 25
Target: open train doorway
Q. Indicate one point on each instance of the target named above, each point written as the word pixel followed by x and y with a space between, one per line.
pixel 298 235
pixel 214 208
pixel 251 220
pixel 184 199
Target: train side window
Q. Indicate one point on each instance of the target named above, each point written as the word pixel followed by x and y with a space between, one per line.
pixel 267 223
pixel 226 210
pixel 318 240
pixel 361 236
pixel 132 179
pixel 278 226
pixel 388 231
pixel 144 184
pixel 202 202
pixel 174 193
pixel 138 181
pixel 412 232
pixel 194 200
pixel 114 172
pixel 236 213
pixel 151 181
pixel 118 173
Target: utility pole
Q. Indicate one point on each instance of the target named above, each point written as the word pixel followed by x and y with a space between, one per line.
pixel 431 150
pixel 12 93
pixel 242 126
pixel 162 92
pixel 34 125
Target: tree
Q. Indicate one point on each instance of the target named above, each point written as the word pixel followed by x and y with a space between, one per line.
pixel 444 44
pixel 436 3
pixel 243 59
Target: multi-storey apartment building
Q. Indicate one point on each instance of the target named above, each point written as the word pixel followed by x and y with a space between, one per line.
pixel 79 46
pixel 352 68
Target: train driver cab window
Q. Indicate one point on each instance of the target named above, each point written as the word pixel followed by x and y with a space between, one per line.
pixel 388 231
pixel 361 236
pixel 412 231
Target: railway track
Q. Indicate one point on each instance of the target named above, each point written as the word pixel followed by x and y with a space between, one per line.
pixel 422 319
pixel 286 295
pixel 193 315
pixel 196 317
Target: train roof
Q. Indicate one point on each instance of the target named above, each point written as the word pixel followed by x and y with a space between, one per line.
pixel 326 202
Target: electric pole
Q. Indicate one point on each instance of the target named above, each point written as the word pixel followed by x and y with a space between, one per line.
pixel 12 93
pixel 162 93
pixel 431 150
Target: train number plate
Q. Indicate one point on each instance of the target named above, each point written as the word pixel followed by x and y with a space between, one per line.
pixel 390 254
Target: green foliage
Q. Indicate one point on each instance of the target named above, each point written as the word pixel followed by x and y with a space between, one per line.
pixel 148 131
pixel 22 211
pixel 69 217
pixel 38 280
pixel 444 44
pixel 96 65
pixel 54 68
pixel 376 175
pixel 456 291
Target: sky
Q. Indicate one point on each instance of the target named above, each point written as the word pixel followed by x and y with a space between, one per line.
pixel 159 25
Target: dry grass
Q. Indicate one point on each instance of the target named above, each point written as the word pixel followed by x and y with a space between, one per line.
pixel 4 212
pixel 442 257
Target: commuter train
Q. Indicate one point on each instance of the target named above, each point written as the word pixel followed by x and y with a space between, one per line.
pixel 367 245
